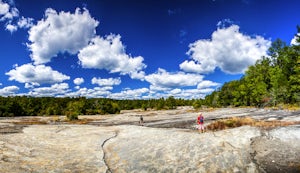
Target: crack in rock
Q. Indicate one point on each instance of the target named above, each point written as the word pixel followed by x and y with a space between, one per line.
pixel 59 129
pixel 253 153
pixel 104 154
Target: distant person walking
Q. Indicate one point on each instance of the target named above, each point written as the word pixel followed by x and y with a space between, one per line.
pixel 141 120
pixel 200 122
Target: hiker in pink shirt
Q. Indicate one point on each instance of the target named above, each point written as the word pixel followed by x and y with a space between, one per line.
pixel 200 122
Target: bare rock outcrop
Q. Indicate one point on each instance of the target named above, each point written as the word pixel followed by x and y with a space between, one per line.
pixel 139 149
pixel 63 148
pixel 278 150
pixel 167 143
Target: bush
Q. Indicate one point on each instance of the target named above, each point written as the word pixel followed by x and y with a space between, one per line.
pixel 72 116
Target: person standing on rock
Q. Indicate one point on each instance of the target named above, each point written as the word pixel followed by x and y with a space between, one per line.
pixel 141 120
pixel 200 122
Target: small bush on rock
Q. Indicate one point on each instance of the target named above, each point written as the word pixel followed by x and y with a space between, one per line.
pixel 72 116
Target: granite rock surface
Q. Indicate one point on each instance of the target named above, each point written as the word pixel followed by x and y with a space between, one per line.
pixel 166 143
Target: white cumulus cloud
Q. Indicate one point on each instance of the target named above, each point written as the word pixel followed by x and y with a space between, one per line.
pixel 9 90
pixel 4 8
pixel 178 93
pixel 106 82
pixel 175 91
pixel 228 49
pixel 10 15
pixel 7 12
pixel 52 91
pixel 60 32
pixel 130 94
pixel 193 93
pixel 78 81
pixel 207 84
pixel 191 66
pixel 109 53
pixel 97 92
pixel 25 22
pixel 31 85
pixel 11 27
pixel 165 79
pixel 36 75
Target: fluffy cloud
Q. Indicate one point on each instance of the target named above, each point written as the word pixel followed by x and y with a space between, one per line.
pixel 60 32
pixel 25 22
pixel 164 84
pixel 10 15
pixel 11 28
pixel 9 90
pixel 228 49
pixel 106 82
pixel 39 74
pixel 207 84
pixel 109 53
pixel 31 85
pixel 78 81
pixel 192 93
pixel 7 12
pixel 52 91
pixel 178 93
pixel 175 91
pixel 97 92
pixel 4 8
pixel 191 66
pixel 165 79
pixel 155 88
pixel 130 94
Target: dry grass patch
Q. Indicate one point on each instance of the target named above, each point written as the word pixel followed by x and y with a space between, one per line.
pixel 242 121
pixel 30 122
pixel 55 119
pixel 287 107
pixel 291 107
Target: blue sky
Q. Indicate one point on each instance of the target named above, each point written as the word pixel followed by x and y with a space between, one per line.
pixel 130 49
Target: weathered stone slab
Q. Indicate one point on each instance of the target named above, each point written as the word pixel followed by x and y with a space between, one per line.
pixel 117 144
pixel 63 148
pixel 141 149
pixel 278 150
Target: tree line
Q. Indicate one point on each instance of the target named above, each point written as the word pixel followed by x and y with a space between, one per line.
pixel 72 107
pixel 273 80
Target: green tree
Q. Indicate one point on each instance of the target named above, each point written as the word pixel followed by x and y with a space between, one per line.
pixel 294 78
pixel 75 108
pixel 171 102
pixel 227 93
pixel 212 99
pixel 254 79
pixel 278 85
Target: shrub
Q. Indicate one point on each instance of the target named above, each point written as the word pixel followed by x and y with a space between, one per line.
pixel 72 116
